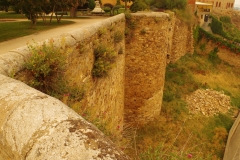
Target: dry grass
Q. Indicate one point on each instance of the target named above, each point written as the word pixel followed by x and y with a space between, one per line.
pixel 177 133
pixel 226 80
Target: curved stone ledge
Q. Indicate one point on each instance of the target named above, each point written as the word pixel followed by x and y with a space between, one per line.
pixel 36 126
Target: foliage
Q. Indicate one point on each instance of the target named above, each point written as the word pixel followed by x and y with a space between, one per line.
pixel 225 19
pixel 138 5
pixel 196 34
pixel 104 58
pixel 217 27
pixel 46 66
pixel 107 9
pixel 118 2
pixel 5 4
pixel 169 4
pixel 178 134
pixel 118 36
pixel 221 42
pixel 91 4
pixel 213 57
pixel 32 9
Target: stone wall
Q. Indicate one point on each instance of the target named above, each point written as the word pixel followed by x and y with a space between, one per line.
pixel 182 40
pixel 146 54
pixel 133 87
pixel 104 97
pixel 37 126
pixel 153 40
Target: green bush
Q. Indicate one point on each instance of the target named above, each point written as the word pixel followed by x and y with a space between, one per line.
pixel 138 6
pixel 91 4
pixel 107 9
pixel 45 66
pixel 213 57
pixel 219 41
pixel 104 58
pixel 217 28
pixel 225 19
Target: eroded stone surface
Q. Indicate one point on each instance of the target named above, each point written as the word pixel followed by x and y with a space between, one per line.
pixel 36 126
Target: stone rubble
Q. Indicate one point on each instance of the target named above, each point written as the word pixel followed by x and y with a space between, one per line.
pixel 208 102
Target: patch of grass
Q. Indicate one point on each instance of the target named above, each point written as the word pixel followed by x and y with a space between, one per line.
pixel 176 133
pixel 11 30
pixel 11 15
pixel 213 57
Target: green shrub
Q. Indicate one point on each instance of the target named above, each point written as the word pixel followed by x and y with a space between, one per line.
pixel 219 41
pixel 45 69
pixel 196 34
pixel 118 36
pixel 213 57
pixel 225 19
pixel 104 57
pixel 138 6
pixel 217 28
pixel 45 66
pixel 91 4
pixel 107 9
pixel 168 95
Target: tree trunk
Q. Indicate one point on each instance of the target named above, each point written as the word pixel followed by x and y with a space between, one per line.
pixel 52 14
pixel 6 8
pixel 125 5
pixel 73 12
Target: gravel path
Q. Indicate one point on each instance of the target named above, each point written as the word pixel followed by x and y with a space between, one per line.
pixel 40 36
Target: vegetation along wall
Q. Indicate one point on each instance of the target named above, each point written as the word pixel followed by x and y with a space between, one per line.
pixel 119 78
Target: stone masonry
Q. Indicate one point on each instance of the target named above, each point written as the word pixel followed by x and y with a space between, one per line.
pixel 36 126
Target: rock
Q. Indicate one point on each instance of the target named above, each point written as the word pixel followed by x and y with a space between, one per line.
pixel 208 102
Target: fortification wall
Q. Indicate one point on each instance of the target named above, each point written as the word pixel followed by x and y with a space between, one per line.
pixel 146 54
pixel 182 40
pixel 37 126
pixel 153 40
pixel 104 97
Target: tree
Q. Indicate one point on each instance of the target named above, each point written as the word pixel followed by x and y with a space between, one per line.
pixel 91 4
pixel 171 4
pixel 125 3
pixel 32 9
pixel 138 5
pixel 75 4
pixel 5 4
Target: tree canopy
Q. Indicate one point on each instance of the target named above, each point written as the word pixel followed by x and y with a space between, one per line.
pixel 35 8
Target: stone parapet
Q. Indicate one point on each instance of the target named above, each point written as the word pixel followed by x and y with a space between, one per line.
pixel 37 126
